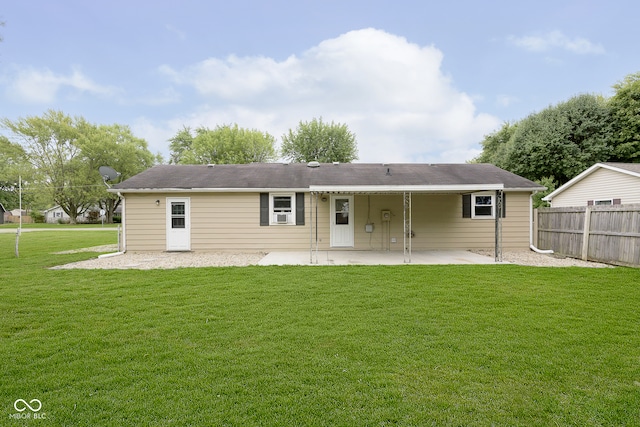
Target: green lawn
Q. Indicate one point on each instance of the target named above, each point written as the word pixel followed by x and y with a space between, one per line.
pixel 314 346
pixel 40 225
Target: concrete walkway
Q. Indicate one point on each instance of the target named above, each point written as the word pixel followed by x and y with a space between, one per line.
pixel 373 258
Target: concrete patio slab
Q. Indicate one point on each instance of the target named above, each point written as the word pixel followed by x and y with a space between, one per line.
pixel 374 258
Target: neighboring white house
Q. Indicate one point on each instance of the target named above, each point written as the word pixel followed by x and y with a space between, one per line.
pixel 57 214
pixel 601 184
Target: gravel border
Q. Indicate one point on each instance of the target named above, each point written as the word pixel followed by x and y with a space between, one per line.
pixel 166 260
pixel 169 260
pixel 534 259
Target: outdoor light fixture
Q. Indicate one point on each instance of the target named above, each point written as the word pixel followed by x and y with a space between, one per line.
pixel 158 202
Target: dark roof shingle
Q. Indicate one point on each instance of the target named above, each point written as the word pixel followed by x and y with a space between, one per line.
pixel 300 176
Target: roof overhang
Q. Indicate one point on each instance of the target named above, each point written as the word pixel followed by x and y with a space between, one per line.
pixel 204 190
pixel 353 189
pixel 464 188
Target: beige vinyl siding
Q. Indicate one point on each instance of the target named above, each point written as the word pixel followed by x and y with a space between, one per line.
pixel 144 222
pixel 219 222
pixel 437 223
pixel 602 184
pixel 231 221
pixel 516 225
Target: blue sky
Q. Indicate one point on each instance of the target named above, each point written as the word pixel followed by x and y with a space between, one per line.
pixel 417 81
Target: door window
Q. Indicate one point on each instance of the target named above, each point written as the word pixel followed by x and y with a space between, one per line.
pixel 178 215
pixel 342 211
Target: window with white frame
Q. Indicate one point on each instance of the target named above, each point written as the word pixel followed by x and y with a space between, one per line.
pixel 282 208
pixel 483 205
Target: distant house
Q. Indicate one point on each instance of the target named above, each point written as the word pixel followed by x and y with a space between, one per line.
pixel 56 214
pixel 601 184
pixel 353 206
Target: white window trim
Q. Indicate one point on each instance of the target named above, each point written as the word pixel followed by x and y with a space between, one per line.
pixel 292 217
pixel 473 206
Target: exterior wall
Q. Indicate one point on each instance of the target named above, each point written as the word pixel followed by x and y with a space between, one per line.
pixel 144 223
pixel 437 223
pixel 231 221
pixel 52 216
pixel 219 222
pixel 602 184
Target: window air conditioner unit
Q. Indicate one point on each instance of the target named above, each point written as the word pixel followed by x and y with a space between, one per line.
pixel 281 218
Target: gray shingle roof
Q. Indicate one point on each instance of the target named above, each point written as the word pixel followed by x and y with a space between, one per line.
pixel 300 176
pixel 631 167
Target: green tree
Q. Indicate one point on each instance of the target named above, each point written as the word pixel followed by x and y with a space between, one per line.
pixel 319 141
pixel 50 145
pixel 561 141
pixel 495 146
pixel 228 144
pixel 537 197
pixel 625 110
pixel 180 143
pixel 13 166
pixel 66 153
pixel 117 147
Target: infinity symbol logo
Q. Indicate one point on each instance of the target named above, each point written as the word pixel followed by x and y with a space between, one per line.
pixel 35 408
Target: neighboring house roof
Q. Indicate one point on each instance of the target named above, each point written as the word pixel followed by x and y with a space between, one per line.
pixel 632 169
pixel 52 209
pixel 326 177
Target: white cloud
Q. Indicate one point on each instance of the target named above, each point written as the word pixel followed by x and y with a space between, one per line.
pixel 557 40
pixel 390 92
pixel 41 86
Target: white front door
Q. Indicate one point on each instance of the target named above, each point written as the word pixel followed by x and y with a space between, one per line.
pixel 342 221
pixel 178 224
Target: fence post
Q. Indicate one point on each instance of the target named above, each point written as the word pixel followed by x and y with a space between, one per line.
pixel 585 233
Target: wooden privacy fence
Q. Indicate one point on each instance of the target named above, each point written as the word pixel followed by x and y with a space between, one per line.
pixel 609 234
pixel 16 219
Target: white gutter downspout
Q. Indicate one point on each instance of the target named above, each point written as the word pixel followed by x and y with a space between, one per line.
pixel 123 239
pixel 531 246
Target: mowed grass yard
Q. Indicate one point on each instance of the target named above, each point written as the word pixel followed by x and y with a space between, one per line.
pixel 314 346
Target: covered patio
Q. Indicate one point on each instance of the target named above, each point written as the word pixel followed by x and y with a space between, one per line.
pixel 408 255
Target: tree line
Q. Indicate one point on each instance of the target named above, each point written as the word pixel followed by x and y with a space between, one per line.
pixel 314 140
pixel 58 156
pixel 554 145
